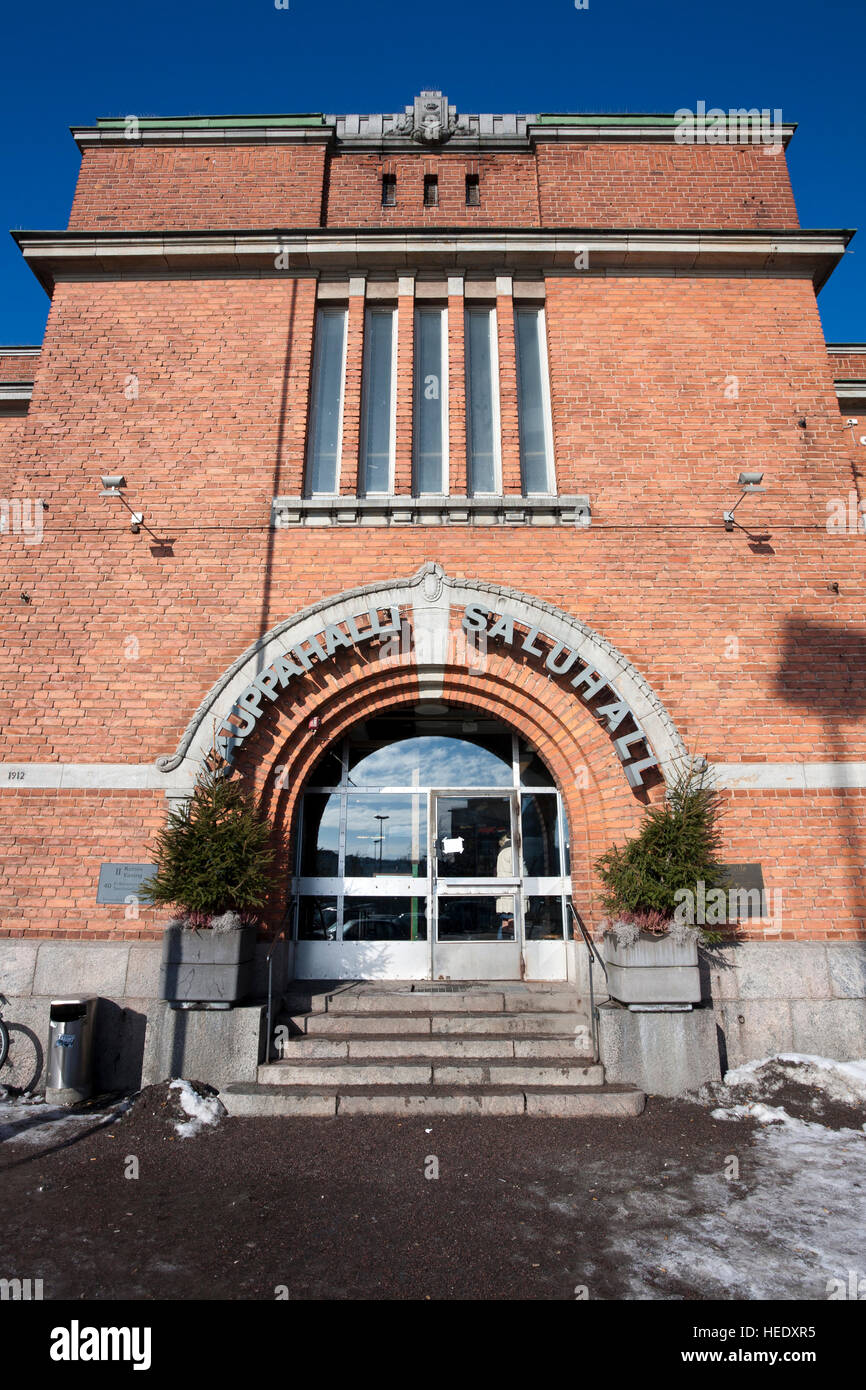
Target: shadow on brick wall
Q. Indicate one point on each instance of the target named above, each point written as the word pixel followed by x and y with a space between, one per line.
pixel 823 669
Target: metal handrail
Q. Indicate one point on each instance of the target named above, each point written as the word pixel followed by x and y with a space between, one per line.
pixel 592 952
pixel 280 936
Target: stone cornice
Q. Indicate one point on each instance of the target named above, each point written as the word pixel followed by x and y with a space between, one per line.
pixel 634 129
pixel 88 254
pixel 87 137
pixel 380 131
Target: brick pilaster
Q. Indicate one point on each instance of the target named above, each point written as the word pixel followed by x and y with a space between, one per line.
pixel 456 389
pixel 405 358
pixel 511 480
pixel 349 481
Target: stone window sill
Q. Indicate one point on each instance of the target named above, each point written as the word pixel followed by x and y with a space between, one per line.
pixel 289 512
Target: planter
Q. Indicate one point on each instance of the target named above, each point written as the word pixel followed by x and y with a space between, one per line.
pixel 655 970
pixel 207 967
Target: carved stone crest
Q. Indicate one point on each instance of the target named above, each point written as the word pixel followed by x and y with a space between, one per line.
pixel 430 122
pixel 432 582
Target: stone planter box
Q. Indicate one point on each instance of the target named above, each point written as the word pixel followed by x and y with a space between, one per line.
pixel 206 967
pixel 655 970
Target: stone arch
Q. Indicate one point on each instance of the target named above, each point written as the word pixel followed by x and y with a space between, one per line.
pixel 427 600
pixel 600 805
pixel 506 682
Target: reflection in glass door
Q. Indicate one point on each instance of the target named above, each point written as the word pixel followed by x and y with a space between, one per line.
pixel 396 877
pixel 477 887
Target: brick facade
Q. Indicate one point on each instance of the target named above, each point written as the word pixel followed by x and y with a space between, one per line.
pixel 125 187
pixel 664 386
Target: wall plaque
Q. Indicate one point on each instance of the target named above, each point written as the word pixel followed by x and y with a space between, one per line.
pixel 747 882
pixel 117 882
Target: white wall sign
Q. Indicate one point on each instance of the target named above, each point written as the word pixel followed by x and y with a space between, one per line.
pixel 272 681
pixel 560 660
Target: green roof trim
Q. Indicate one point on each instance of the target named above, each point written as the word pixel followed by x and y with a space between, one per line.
pixel 565 119
pixel 209 122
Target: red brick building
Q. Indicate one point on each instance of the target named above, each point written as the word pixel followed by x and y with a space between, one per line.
pixel 432 421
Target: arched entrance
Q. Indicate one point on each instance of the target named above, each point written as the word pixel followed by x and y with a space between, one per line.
pixel 434 647
pixel 431 843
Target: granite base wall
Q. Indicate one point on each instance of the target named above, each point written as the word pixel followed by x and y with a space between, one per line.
pixel 787 996
pixel 137 1038
pixel 766 997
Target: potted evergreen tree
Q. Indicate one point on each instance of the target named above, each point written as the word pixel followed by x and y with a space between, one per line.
pixel 213 858
pixel 655 886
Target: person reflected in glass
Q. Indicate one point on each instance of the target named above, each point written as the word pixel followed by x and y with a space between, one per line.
pixel 505 905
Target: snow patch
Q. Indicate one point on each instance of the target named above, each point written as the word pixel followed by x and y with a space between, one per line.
pixel 754 1110
pixel 202 1110
pixel 801 1080
pixel 842 1081
pixel 29 1119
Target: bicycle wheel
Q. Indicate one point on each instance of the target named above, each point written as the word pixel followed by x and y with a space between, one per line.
pixel 4 1042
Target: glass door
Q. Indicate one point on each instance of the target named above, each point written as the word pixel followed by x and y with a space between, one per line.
pixel 430 843
pixel 476 883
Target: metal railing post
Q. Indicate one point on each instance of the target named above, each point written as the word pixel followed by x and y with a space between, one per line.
pixel 593 956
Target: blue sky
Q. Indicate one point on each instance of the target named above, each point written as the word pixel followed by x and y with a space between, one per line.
pixel 69 64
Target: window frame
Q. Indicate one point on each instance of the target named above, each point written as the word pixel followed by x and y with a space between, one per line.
pixel 442 310
pixel 547 414
pixel 363 491
pixel 493 330
pixel 322 311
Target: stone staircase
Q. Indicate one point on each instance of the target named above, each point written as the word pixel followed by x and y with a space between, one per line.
pixel 430 1049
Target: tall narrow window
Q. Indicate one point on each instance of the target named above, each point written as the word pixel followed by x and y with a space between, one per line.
pixel 473 191
pixel 482 401
pixel 389 190
pixel 431 404
pixel 377 426
pixel 326 402
pixel 431 190
pixel 533 401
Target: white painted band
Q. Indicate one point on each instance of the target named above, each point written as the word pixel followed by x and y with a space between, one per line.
pixel 817 776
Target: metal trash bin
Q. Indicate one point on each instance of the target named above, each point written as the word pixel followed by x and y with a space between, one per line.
pixel 70 1050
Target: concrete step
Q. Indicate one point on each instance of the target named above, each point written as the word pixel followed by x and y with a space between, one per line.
pixel 454 1047
pixel 566 1024
pixel 513 1073
pixel 251 1098
pixel 521 1000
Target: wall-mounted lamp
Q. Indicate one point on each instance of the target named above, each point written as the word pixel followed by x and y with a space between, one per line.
pixel 112 486
pixel 749 482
